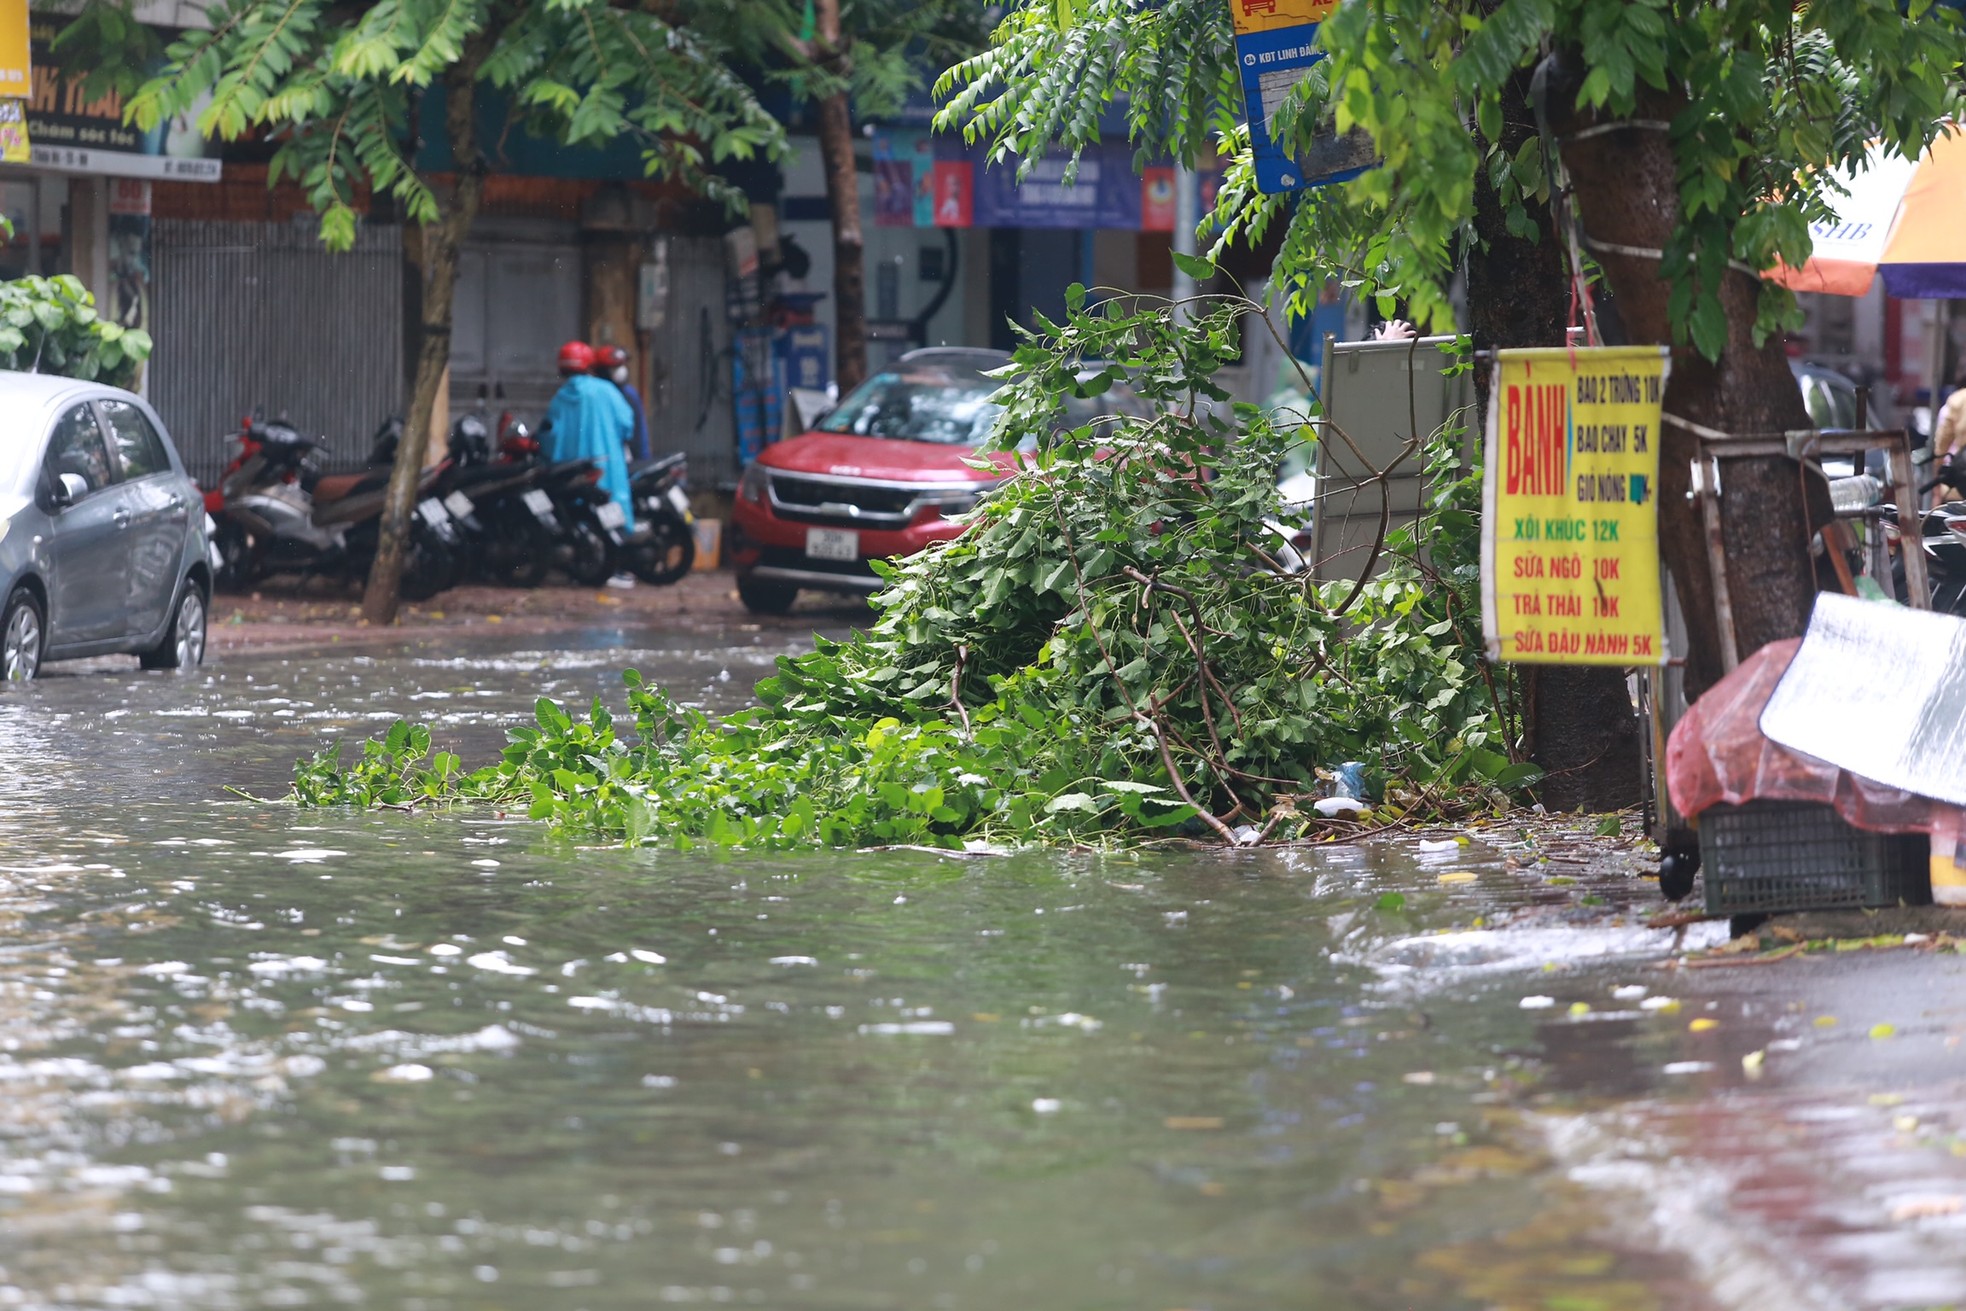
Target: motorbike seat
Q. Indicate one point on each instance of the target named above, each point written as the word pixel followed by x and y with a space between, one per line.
pixel 335 486
pixel 659 464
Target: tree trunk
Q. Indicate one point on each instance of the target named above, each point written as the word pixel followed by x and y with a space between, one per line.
pixel 849 247
pixel 843 196
pixel 1627 198
pixel 439 245
pixel 1579 726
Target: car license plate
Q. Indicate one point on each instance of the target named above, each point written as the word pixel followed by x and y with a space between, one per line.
pixel 832 544
pixel 538 502
pixel 679 502
pixel 610 515
pixel 459 505
pixel 433 513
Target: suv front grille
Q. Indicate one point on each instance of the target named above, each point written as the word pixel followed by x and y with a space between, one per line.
pixel 856 502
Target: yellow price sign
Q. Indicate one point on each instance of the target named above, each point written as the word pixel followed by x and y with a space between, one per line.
pixel 1248 16
pixel 1570 516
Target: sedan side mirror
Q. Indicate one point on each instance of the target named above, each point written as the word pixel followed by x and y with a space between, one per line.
pixel 70 488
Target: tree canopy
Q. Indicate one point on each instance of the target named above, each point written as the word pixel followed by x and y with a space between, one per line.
pixel 338 88
pixel 1761 100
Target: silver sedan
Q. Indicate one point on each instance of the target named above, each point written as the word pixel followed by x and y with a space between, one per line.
pixel 102 534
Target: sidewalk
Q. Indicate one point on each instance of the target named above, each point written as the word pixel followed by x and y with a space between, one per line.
pixel 277 617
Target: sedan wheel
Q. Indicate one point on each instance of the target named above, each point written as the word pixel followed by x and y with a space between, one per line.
pixel 21 636
pixel 183 646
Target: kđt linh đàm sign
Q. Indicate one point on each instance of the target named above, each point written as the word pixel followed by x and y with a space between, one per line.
pixel 1570 522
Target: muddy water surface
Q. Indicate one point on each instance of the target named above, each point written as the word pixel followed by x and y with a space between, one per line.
pixel 257 1057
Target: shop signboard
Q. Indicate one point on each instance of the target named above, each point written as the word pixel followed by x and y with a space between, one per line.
pixel 1276 48
pixel 921 182
pixel 71 133
pixel 1570 515
pixel 13 131
pixel 15 56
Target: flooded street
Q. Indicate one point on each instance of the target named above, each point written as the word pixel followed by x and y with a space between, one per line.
pixel 258 1057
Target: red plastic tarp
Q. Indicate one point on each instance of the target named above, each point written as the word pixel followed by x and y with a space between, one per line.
pixel 1718 755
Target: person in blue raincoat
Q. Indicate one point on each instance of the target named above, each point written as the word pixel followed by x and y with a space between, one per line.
pixel 590 420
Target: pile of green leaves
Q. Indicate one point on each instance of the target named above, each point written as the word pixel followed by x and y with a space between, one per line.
pixel 50 325
pixel 1112 649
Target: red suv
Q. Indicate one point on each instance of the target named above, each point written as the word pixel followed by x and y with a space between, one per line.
pixel 884 474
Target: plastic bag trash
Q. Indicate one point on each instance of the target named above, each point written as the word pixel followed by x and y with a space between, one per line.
pixel 1336 807
pixel 1350 779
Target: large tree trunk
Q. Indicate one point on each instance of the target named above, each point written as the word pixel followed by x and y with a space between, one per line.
pixel 1627 198
pixel 1578 719
pixel 843 196
pixel 438 252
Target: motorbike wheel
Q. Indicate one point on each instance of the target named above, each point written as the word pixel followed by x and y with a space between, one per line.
pixel 429 567
pixel 590 555
pixel 762 598
pixel 521 559
pixel 667 556
pixel 238 567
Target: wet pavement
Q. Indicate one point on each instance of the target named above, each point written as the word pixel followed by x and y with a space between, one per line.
pixel 258 1057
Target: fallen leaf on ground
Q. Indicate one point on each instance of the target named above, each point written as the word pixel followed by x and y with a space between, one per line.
pixel 1920 1208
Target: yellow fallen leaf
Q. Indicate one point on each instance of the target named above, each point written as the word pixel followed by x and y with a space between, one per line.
pixel 985 1017
pixel 1702 1024
pixel 1883 1030
pixel 1580 1008
pixel 1457 876
pixel 1826 1021
pixel 1919 1208
pixel 494 619
pixel 1192 1122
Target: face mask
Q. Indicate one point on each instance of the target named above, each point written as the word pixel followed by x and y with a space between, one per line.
pixel 620 375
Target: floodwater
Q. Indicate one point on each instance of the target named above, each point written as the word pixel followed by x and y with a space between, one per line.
pixel 258 1057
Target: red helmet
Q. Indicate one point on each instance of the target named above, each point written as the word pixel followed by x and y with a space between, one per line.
pixel 609 357
pixel 576 357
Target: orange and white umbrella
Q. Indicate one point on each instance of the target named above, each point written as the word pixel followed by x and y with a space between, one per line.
pixel 1903 220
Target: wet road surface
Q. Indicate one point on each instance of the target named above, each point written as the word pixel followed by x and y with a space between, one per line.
pixel 257 1057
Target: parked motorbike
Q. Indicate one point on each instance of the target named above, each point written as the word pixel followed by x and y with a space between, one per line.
pixel 1942 530
pixel 277 514
pixel 512 533
pixel 662 549
pixel 591 523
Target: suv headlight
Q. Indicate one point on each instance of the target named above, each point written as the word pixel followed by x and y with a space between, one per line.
pixel 950 505
pixel 753 486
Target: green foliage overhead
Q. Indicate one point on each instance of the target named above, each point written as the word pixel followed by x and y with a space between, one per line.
pixel 338 86
pixel 50 325
pixel 1110 650
pixel 888 45
pixel 1761 100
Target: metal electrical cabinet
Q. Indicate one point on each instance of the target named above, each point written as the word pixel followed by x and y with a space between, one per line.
pixel 1382 401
